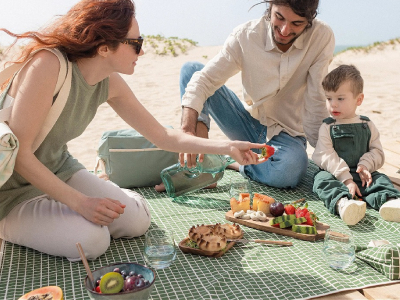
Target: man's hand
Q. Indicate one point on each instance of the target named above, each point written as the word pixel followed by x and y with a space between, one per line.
pixel 353 188
pixel 365 175
pixel 191 126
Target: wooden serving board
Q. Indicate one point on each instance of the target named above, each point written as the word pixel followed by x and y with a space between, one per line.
pixel 186 249
pixel 265 226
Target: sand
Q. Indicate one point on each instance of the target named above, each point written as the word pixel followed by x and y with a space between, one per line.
pixel 156 84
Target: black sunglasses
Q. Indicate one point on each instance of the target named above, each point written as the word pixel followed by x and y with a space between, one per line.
pixel 136 43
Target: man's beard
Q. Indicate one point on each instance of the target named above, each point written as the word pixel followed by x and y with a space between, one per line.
pixel 279 43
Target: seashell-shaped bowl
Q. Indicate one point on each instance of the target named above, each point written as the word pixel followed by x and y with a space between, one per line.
pixel 143 293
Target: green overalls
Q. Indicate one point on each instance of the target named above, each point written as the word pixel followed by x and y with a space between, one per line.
pixel 350 142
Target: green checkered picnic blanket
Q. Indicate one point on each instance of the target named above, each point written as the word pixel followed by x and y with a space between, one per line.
pixel 247 271
pixel 384 258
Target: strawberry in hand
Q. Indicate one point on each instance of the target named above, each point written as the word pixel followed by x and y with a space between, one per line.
pixel 266 152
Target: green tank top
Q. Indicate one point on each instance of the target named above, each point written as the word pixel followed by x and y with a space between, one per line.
pixel 79 111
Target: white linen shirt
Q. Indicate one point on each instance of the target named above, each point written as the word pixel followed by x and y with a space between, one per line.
pixel 281 89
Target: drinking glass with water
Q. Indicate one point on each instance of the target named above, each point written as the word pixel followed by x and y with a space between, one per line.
pixel 239 185
pixel 159 248
pixel 339 249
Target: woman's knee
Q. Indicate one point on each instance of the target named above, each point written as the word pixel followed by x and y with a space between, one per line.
pixel 95 241
pixel 135 220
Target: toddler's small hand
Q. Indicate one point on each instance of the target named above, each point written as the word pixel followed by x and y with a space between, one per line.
pixel 353 188
pixel 365 175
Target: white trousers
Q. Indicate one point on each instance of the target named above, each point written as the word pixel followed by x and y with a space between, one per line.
pixel 51 227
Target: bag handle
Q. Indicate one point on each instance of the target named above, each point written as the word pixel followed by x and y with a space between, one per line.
pixel 63 87
pixel 100 163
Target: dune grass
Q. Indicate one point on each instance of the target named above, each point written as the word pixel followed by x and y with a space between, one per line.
pixel 174 46
pixel 164 46
pixel 157 44
pixel 374 46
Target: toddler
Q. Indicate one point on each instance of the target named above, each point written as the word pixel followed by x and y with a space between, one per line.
pixel 349 152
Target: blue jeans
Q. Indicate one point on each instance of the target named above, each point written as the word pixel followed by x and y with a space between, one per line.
pixel 288 165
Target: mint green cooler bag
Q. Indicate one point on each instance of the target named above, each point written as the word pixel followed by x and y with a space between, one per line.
pixel 130 160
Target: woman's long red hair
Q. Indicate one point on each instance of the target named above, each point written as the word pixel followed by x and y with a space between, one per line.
pixel 87 25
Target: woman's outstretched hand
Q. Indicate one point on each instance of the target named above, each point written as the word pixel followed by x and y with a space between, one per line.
pixel 101 211
pixel 241 152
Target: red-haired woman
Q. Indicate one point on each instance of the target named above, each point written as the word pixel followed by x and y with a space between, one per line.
pixel 51 201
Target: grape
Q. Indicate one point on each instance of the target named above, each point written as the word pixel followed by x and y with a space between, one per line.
pixel 132 280
pixel 276 209
pixel 129 284
pixel 139 282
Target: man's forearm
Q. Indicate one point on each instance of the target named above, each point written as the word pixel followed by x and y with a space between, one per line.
pixel 189 120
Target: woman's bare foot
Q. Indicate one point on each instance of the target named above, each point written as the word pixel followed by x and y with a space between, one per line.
pixel 211 186
pixel 160 187
pixel 234 166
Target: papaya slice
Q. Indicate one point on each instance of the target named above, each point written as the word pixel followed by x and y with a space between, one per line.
pixel 44 293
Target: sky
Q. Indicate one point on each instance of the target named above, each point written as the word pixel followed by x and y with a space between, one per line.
pixel 209 22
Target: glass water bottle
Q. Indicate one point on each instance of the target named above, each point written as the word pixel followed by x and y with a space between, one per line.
pixel 180 180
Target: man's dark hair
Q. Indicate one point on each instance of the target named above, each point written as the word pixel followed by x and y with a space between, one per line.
pixel 303 8
pixel 341 74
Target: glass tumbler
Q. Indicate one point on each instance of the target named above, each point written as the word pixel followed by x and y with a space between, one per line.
pixel 339 248
pixel 239 185
pixel 159 248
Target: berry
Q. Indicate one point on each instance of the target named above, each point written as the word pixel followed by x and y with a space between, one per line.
pixel 267 151
pixel 129 284
pixel 290 209
pixel 132 273
pixel 139 282
pixel 309 215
